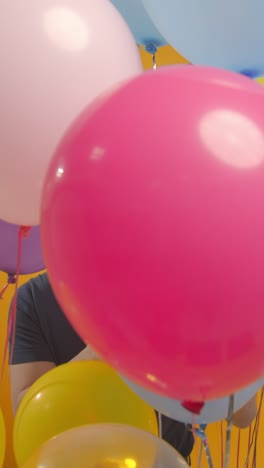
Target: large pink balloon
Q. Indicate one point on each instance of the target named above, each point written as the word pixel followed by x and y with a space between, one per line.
pixel 153 230
pixel 55 56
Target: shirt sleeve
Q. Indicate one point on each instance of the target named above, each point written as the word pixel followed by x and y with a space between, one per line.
pixel 29 344
pixel 178 434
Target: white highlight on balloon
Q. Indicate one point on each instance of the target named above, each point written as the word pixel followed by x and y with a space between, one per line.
pixel 233 138
pixel 60 172
pixel 130 463
pixel 66 29
pixel 154 379
pixel 97 153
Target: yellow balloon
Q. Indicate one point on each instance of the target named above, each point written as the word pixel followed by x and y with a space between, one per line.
pixel 260 80
pixel 2 439
pixel 72 395
pixel 106 446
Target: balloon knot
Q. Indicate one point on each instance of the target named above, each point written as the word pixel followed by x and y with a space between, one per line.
pixel 24 231
pixel 251 73
pixel 194 407
pixel 11 279
pixel 151 48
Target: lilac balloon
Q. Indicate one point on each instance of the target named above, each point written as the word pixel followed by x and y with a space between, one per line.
pixel 31 256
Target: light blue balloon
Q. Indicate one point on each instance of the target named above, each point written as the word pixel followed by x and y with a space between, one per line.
pixel 214 410
pixel 144 31
pixel 223 33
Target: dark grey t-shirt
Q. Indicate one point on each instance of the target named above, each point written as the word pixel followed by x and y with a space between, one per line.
pixel 44 334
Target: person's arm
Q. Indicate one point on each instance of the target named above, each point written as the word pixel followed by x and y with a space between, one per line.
pixel 22 376
pixel 87 354
pixel 31 356
pixel 246 415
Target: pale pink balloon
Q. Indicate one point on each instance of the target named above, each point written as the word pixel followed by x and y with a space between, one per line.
pixel 56 56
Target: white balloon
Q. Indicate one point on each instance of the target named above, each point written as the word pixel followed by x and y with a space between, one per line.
pixel 56 57
pixel 214 410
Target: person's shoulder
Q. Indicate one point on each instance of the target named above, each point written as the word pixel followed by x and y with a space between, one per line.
pixel 26 296
pixel 40 281
pixel 38 284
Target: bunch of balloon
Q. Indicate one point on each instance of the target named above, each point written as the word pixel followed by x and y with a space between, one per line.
pixel 55 59
pixel 106 446
pixel 73 395
pixel 168 232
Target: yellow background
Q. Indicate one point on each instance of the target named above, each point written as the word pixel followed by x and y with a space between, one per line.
pixel 5 402
pixel 165 56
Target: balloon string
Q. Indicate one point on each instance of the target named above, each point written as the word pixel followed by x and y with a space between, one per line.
pixel 194 428
pixel 154 62
pixel 228 429
pixel 254 459
pixel 152 49
pixel 10 280
pixel 252 437
pixel 200 455
pixel 23 232
pixel 201 433
pixel 249 440
pixel 238 447
pixel 254 462
pixel 222 444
